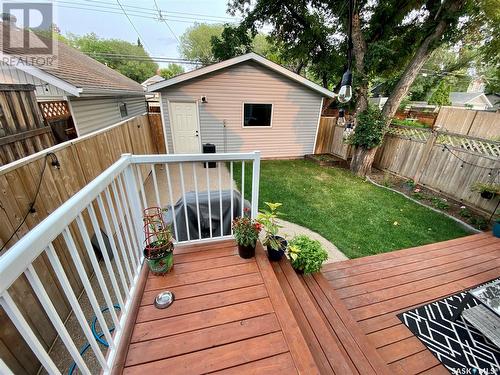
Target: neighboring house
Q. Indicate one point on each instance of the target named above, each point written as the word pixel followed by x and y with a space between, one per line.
pixel 242 104
pixel 86 94
pixel 495 101
pixel 153 99
pixel 471 100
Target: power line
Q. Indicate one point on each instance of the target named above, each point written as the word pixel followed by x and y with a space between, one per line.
pixel 135 28
pixel 145 58
pixel 166 23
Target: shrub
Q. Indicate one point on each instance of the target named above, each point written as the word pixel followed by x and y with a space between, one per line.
pixel 370 129
pixel 440 204
pixel 465 212
pixel 306 254
pixel 479 222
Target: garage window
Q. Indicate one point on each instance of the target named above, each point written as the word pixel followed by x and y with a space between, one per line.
pixel 123 110
pixel 257 115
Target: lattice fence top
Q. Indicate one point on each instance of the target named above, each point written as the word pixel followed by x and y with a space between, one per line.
pixel 55 110
pixel 474 145
pixel 483 147
pixel 408 132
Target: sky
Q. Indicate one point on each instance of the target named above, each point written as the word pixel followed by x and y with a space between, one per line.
pixel 107 19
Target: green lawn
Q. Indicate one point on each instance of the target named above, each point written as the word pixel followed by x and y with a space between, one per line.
pixel 358 217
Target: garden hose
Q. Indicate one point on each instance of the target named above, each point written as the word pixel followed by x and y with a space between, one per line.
pixel 97 335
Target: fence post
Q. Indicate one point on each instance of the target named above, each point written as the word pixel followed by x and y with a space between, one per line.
pixel 424 159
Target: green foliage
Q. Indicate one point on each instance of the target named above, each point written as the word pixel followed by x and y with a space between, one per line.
pixel 479 222
pixel 465 212
pixel 171 70
pixel 268 218
pixel 441 96
pixel 233 41
pixel 370 129
pixel 410 183
pixel 308 256
pixel 483 187
pixel 246 231
pixel 139 71
pixel 440 203
pixel 355 215
pixel 415 124
pixel 195 42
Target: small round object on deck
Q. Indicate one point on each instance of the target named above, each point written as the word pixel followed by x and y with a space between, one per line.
pixel 164 299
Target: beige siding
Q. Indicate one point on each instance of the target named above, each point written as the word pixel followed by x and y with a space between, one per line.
pixel 43 91
pixel 97 113
pixel 295 110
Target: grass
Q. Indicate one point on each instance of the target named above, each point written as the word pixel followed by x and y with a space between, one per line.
pixel 358 217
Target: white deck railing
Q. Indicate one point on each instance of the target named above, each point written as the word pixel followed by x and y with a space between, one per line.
pixel 112 202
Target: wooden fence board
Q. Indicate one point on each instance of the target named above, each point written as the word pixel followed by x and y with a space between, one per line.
pixel 81 160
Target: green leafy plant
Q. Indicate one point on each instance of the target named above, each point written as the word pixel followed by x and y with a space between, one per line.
pixel 410 183
pixel 370 129
pixel 269 221
pixel 406 122
pixel 306 254
pixel 440 203
pixel 465 212
pixel 387 181
pixel 485 187
pixel 479 222
pixel 246 230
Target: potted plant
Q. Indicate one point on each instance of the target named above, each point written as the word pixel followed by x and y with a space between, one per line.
pixel 487 190
pixel 159 248
pixel 276 245
pixel 306 255
pixel 246 233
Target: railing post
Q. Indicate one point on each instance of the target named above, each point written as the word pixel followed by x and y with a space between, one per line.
pixel 135 205
pixel 255 184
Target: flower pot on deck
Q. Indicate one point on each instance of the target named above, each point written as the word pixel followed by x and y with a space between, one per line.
pixel 496 228
pixel 487 195
pixel 246 252
pixel 160 258
pixel 276 255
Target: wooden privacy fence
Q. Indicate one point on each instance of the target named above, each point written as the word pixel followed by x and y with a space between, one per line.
pixel 80 160
pixel 480 124
pixel 22 129
pixel 330 138
pixel 447 162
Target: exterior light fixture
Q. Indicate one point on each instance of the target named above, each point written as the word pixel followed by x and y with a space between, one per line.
pixel 341 118
pixel 345 92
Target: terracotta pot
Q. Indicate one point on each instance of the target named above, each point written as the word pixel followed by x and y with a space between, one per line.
pixel 246 252
pixel 161 260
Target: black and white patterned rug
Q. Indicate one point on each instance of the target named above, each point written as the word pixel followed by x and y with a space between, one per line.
pixel 460 347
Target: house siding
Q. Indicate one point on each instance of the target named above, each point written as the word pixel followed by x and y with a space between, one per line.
pixel 97 113
pixel 43 91
pixel 295 110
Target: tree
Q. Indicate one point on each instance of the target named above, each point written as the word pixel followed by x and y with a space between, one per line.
pixel 171 70
pixel 138 68
pixel 195 42
pixel 391 39
pixel 441 96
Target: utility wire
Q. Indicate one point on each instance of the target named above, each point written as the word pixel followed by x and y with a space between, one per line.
pixel 135 28
pixel 445 147
pixel 166 23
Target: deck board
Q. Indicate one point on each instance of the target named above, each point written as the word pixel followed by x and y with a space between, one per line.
pixel 376 288
pixel 229 316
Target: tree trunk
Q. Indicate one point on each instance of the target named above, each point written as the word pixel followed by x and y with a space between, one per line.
pixel 362 160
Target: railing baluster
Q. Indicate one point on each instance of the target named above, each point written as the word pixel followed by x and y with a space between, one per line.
pixel 58 324
pixel 105 256
pixel 181 172
pixel 209 200
pixel 75 305
pixel 70 243
pixel 118 236
pixel 26 332
pixel 172 209
pixel 155 184
pixel 255 184
pixel 197 199
pixel 220 199
pixel 232 195
pixel 141 186
pixel 111 238
pixel 242 187
pixel 129 221
pixel 97 269
pixel 4 369
pixel 128 254
pixel 135 207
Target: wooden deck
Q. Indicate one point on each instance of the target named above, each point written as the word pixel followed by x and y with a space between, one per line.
pixel 230 316
pixel 374 289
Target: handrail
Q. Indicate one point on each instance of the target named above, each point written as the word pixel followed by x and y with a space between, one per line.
pixel 115 197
